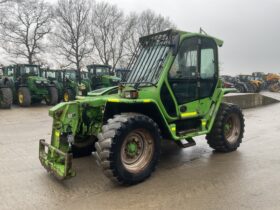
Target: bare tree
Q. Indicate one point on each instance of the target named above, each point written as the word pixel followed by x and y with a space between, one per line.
pixel 109 32
pixel 71 34
pixel 23 28
pixel 145 23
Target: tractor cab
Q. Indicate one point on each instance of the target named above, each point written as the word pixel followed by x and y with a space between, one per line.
pixel 102 76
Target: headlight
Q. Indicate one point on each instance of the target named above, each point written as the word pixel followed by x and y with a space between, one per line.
pixel 132 94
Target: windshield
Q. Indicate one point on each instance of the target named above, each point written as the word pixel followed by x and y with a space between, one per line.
pixel 102 70
pixel 84 75
pixel 50 74
pixel 71 75
pixel 31 70
pixel 150 55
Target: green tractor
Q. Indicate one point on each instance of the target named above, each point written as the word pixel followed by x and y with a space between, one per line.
pixel 6 94
pixel 72 87
pixel 28 87
pixel 173 92
pixel 101 76
pixel 56 78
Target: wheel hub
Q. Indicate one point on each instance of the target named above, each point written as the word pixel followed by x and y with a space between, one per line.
pixel 66 97
pixel 20 98
pixel 137 150
pixel 232 128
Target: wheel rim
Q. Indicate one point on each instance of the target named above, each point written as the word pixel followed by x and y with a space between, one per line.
pixel 232 128
pixel 137 150
pixel 66 97
pixel 20 98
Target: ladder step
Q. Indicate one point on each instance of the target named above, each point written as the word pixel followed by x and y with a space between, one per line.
pixel 189 143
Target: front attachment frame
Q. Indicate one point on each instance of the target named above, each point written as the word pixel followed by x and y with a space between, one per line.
pixel 56 161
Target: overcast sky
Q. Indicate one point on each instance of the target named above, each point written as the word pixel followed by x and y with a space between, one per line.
pixel 250 28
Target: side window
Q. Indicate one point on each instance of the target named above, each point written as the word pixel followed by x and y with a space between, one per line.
pixel 10 72
pixel 183 73
pixel 207 65
pixel 185 63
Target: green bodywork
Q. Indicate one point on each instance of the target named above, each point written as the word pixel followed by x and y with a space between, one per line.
pixel 26 75
pixel 85 116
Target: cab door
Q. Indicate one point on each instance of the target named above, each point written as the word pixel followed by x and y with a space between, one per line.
pixel 192 79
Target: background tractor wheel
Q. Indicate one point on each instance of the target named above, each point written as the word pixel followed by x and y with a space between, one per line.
pixel 68 95
pixel 240 88
pixel 6 98
pixel 24 97
pixel 52 98
pixel 128 148
pixel 250 87
pixel 227 132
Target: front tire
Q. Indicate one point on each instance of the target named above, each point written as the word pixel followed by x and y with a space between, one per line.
pixel 227 132
pixel 52 98
pixel 24 97
pixel 6 98
pixel 128 148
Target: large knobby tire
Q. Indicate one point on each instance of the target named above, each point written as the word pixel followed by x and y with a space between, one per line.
pixel 227 132
pixel 52 97
pixel 68 95
pixel 24 97
pixel 6 98
pixel 128 148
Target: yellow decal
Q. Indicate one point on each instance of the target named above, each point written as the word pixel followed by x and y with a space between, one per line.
pixel 113 100
pixel 57 133
pixel 147 100
pixel 173 128
pixel 203 123
pixel 188 114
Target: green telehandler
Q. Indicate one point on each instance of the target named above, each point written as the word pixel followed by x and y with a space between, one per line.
pixel 28 86
pixel 172 92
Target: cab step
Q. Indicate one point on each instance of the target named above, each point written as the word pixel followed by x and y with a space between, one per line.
pixel 186 143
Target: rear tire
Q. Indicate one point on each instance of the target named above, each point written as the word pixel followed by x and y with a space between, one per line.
pixel 128 148
pixel 227 132
pixel 24 97
pixel 68 95
pixel 6 98
pixel 52 97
